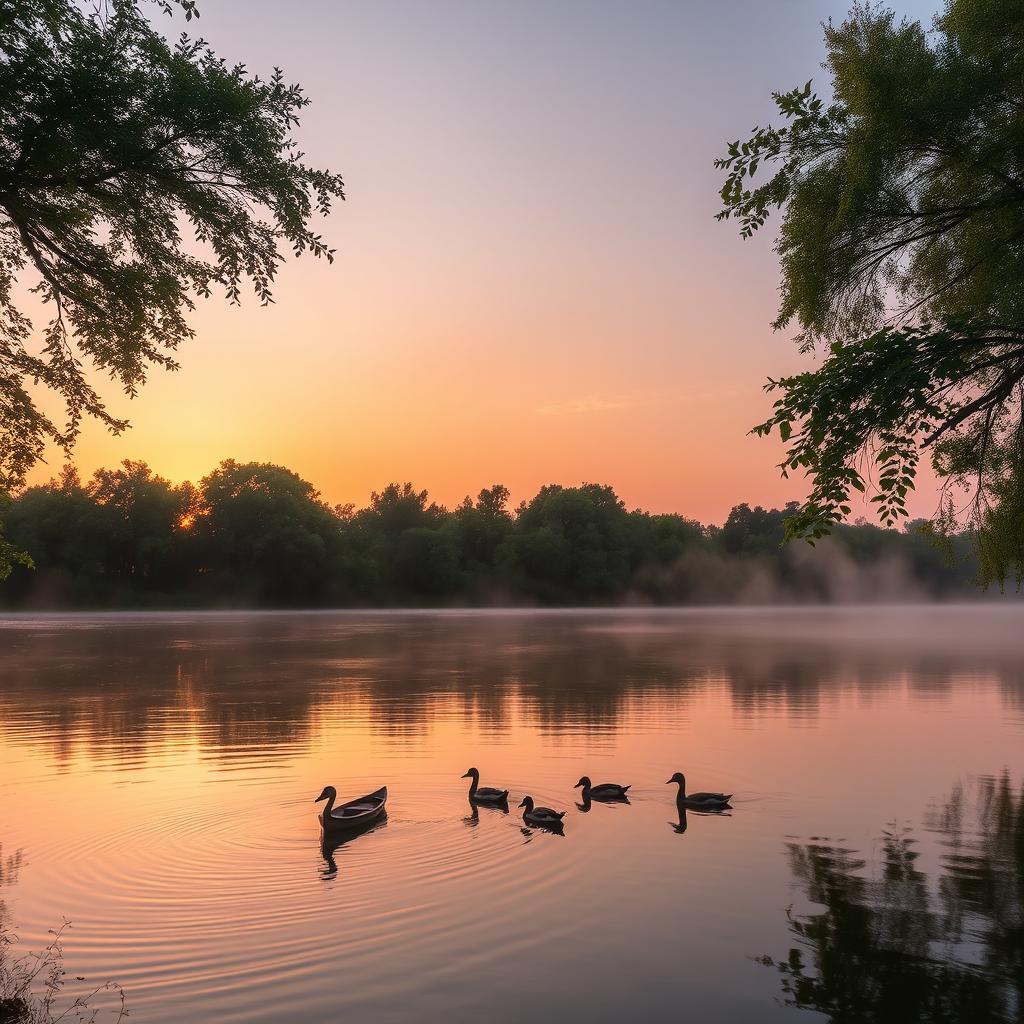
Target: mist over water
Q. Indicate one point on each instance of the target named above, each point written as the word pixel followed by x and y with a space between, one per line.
pixel 157 774
pixel 801 575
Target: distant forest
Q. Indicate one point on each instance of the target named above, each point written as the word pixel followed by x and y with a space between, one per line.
pixel 257 535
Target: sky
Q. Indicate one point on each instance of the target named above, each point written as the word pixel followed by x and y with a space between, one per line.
pixel 530 286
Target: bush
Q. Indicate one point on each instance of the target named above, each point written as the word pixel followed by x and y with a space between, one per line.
pixel 31 986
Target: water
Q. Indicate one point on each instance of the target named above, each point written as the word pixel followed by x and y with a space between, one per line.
pixel 157 776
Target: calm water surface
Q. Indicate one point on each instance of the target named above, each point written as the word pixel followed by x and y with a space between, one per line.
pixel 157 775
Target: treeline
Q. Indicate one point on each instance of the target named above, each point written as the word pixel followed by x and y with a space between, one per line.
pixel 256 534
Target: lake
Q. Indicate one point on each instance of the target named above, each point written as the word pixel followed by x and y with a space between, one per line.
pixel 157 776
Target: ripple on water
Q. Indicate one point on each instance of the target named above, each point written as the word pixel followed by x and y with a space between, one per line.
pixel 200 900
pixel 180 751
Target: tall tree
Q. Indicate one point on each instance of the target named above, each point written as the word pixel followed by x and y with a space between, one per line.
pixel 571 544
pixel 153 518
pixel 135 176
pixel 265 534
pixel 902 255
pixel 70 537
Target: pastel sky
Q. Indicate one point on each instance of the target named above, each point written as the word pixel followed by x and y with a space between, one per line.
pixel 530 285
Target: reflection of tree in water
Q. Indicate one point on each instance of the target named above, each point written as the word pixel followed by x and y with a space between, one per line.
pixel 897 949
pixel 9 867
pixel 983 889
pixel 265 683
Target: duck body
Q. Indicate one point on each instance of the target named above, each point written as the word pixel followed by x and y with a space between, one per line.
pixel 543 816
pixel 353 813
pixel 602 791
pixel 484 794
pixel 699 801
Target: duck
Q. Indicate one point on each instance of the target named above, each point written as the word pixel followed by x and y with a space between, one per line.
pixel 699 801
pixel 543 816
pixel 483 794
pixel 352 813
pixel 604 791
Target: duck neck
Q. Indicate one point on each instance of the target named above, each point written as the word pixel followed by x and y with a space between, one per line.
pixel 474 781
pixel 586 792
pixel 681 795
pixel 329 806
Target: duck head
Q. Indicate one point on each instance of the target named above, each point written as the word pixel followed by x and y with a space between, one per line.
pixel 678 777
pixel 472 774
pixel 584 782
pixel 328 792
pixel 527 803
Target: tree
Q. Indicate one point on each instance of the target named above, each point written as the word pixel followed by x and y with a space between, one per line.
pixel 70 538
pixel 481 527
pixel 152 521
pixel 755 530
pixel 399 507
pixel 135 176
pixel 10 554
pixel 258 534
pixel 426 562
pixel 902 255
pixel 264 534
pixel 571 544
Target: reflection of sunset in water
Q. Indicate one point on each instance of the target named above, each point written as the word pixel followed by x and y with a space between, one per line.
pixel 159 773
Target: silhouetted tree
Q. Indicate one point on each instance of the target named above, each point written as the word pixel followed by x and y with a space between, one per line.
pixel 902 250
pixel 480 528
pixel 135 176
pixel 663 539
pixel 426 563
pixel 571 544
pixel 754 531
pixel 256 533
pixel 264 534
pixel 151 525
pixel 397 508
pixel 71 539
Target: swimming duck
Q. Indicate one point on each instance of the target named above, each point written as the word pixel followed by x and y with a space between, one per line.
pixel 605 791
pixel 352 813
pixel 540 815
pixel 484 794
pixel 699 801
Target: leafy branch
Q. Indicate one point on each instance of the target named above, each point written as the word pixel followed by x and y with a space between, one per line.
pixel 136 176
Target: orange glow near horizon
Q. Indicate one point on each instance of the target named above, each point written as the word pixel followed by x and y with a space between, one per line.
pixel 530 286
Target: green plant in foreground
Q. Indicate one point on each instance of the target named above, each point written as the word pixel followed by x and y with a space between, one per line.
pixel 31 986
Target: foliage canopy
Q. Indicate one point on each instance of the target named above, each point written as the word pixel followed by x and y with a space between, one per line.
pixel 902 256
pixel 258 534
pixel 136 175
